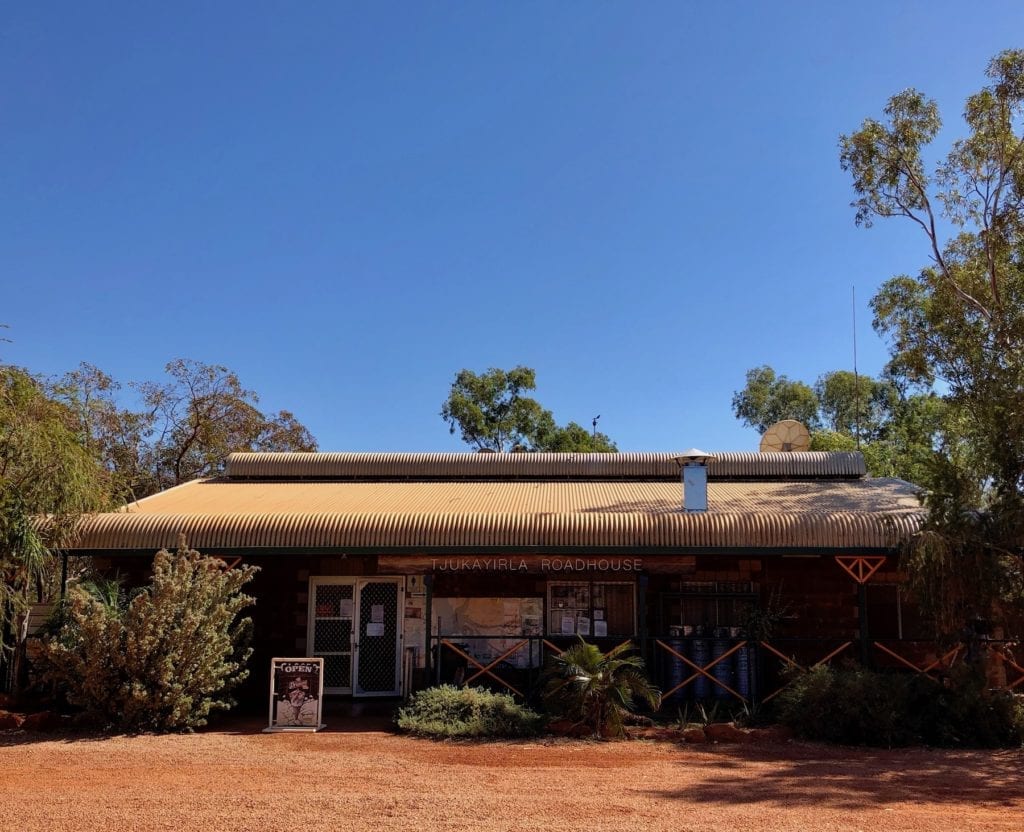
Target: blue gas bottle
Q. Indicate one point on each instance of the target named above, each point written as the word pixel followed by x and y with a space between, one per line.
pixel 723 670
pixel 699 655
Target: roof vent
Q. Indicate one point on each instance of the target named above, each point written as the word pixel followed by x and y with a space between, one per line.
pixel 693 467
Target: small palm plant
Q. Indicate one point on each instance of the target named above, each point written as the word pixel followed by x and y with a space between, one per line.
pixel 596 690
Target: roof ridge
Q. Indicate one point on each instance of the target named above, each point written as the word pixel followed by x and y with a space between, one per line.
pixel 628 465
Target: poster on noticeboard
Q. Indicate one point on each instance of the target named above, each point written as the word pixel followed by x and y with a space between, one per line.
pixel 296 694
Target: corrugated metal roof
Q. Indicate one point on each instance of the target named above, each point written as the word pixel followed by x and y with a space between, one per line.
pixel 527 498
pixel 430 466
pixel 419 532
pixel 227 514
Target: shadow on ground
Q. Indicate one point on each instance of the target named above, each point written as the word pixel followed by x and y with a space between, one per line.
pixel 852 778
pixel 341 716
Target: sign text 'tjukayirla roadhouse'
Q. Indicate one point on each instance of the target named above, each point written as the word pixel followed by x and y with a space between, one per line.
pixel 513 564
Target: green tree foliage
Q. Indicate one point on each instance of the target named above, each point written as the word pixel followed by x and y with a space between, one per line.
pixel 492 412
pixel 574 438
pixel 897 432
pixel 597 690
pixel 768 398
pixel 47 481
pixel 162 660
pixel 185 428
pixel 855 405
pixel 959 325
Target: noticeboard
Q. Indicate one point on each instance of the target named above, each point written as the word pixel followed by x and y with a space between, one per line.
pixel 296 694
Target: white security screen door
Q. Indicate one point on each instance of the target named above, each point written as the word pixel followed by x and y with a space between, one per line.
pixel 355 626
pixel 378 640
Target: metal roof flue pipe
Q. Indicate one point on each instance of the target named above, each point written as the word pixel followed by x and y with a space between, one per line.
pixel 693 468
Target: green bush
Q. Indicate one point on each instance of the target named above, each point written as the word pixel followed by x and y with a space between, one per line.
pixel 161 660
pixel 964 713
pixel 855 706
pixel 449 712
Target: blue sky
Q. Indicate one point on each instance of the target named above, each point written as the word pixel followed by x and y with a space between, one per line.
pixel 346 203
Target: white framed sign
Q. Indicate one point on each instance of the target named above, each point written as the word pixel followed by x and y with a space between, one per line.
pixel 296 694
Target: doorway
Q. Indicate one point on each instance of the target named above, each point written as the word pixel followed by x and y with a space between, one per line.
pixel 355 626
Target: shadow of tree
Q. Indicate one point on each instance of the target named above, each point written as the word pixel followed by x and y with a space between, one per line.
pixel 796 497
pixel 852 778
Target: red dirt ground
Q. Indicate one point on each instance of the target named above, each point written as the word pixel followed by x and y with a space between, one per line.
pixel 354 780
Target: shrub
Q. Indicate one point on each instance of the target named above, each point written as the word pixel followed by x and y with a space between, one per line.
pixel 852 706
pixel 448 712
pixel 596 690
pixel 161 660
pixel 855 706
pixel 963 713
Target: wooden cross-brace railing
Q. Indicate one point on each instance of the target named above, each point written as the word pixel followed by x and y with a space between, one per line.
pixel 1007 660
pixel 558 650
pixel 487 669
pixel 793 663
pixel 702 671
pixel 924 670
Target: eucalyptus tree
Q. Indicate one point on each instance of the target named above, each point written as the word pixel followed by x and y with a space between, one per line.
pixel 48 479
pixel 957 327
pixel 768 398
pixel 492 412
pixel 178 429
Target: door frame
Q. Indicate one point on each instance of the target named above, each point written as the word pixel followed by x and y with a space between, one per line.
pixel 356 582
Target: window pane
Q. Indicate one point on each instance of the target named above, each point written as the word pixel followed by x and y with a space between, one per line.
pixel 618 607
pixel 567 601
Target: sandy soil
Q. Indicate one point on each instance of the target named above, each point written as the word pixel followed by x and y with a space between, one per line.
pixel 353 780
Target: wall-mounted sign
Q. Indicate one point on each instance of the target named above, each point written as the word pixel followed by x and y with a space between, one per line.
pixel 296 694
pixel 535 564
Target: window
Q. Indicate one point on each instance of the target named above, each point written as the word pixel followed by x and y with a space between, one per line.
pixel 708 606
pixel 591 608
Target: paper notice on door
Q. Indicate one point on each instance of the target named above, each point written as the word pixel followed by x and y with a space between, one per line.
pixel 346 608
pixel 377 614
pixel 583 626
pixel 568 625
pixel 373 629
pixel 600 629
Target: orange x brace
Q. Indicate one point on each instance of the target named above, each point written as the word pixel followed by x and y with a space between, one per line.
pixel 702 671
pixel 487 669
pixel 926 670
pixel 558 650
pixel 1007 660
pixel 792 663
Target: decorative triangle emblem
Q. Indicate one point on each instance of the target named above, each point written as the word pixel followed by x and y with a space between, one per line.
pixel 861 567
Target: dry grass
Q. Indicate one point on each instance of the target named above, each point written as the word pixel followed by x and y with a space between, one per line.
pixel 355 780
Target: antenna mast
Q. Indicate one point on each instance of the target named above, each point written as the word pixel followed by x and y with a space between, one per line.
pixel 856 377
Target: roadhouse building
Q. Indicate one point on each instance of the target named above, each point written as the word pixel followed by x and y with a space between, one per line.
pixel 401 570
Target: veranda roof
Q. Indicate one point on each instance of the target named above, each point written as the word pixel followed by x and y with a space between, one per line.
pixel 432 502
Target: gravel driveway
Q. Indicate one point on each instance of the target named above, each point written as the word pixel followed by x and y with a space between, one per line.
pixel 358 780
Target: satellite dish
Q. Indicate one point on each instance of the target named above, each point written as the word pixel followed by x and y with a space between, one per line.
pixel 786 436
